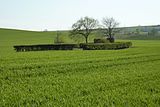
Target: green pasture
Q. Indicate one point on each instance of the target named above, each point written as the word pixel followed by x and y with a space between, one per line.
pixel 102 78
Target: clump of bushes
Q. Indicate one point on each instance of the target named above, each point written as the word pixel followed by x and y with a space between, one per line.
pixel 101 40
pixel 111 39
pixel 105 40
pixel 105 46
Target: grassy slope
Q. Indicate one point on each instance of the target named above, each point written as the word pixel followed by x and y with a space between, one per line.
pixel 127 77
pixel 9 37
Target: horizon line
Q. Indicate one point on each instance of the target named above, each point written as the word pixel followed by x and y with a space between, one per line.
pixel 47 30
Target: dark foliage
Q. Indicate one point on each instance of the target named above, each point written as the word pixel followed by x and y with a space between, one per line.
pixel 101 41
pixel 105 46
pixel 24 48
pixel 111 39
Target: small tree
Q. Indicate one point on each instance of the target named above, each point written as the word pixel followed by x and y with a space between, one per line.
pixel 84 27
pixel 109 25
pixel 59 38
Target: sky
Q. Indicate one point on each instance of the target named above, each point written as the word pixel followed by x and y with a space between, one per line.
pixel 61 14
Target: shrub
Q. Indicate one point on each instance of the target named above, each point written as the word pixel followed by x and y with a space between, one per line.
pixel 101 41
pixel 60 39
pixel 105 46
pixel 112 40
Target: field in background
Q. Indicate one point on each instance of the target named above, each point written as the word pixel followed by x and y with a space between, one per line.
pixel 129 77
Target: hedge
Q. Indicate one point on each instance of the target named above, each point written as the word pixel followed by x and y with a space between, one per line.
pixel 84 46
pixel 22 48
pixel 105 46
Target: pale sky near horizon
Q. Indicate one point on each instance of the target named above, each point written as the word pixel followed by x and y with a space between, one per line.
pixel 61 14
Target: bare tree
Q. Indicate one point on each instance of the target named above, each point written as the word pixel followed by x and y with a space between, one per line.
pixel 84 27
pixel 109 25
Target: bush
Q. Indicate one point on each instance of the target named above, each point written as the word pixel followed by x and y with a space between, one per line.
pixel 101 41
pixel 60 39
pixel 105 46
pixel 112 40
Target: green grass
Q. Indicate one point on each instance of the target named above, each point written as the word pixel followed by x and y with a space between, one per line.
pixel 128 77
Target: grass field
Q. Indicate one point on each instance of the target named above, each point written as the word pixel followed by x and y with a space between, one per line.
pixel 129 77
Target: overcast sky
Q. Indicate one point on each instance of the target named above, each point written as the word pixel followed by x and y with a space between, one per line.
pixel 61 14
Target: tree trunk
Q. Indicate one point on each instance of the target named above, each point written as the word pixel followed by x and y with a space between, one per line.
pixel 110 33
pixel 86 39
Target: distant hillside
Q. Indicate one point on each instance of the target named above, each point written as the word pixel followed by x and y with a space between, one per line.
pixel 139 33
pixel 141 28
pixel 15 37
pixel 25 37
